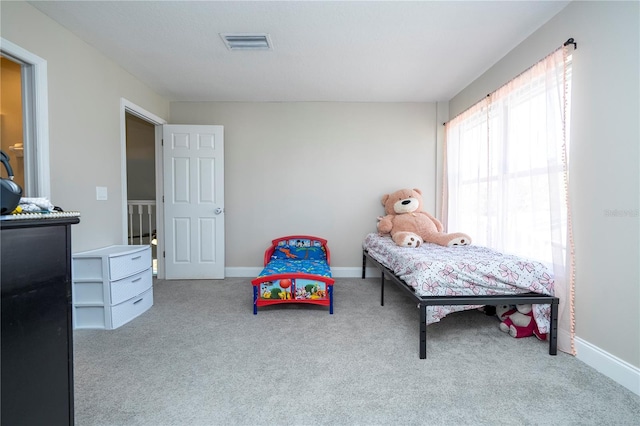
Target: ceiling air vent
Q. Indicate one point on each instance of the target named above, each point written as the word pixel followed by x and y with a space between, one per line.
pixel 246 41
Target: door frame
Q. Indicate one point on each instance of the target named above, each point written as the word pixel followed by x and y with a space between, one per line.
pixel 35 116
pixel 127 106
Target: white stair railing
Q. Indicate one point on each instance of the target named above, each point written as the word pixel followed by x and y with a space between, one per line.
pixel 142 221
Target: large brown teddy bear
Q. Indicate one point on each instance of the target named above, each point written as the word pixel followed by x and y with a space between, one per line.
pixel 409 226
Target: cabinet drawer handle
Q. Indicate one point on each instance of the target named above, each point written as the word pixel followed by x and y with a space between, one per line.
pixel 136 280
pixel 136 258
pixel 138 301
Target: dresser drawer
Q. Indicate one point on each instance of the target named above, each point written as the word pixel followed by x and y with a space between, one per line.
pixel 111 285
pixel 129 264
pixel 126 311
pixel 129 287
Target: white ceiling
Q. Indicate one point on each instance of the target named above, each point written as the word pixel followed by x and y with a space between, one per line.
pixel 351 51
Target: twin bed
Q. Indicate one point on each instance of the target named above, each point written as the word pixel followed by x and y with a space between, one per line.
pixel 448 279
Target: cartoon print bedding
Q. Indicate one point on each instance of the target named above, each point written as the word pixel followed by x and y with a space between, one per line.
pixel 433 270
pixel 296 270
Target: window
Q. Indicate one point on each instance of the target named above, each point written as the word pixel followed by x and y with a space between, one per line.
pixel 506 175
pixel 507 164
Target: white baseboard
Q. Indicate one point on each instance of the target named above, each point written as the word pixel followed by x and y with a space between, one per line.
pixel 616 369
pixel 338 272
pixel 242 272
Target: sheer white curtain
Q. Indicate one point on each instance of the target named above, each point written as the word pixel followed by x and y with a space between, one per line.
pixel 506 174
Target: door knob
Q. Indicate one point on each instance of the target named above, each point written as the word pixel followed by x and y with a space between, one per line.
pixel 218 210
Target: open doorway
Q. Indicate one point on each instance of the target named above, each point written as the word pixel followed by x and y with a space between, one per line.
pixel 203 248
pixel 11 130
pixel 141 154
pixel 25 118
pixel 141 184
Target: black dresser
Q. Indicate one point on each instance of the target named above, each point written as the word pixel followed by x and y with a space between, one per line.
pixel 37 328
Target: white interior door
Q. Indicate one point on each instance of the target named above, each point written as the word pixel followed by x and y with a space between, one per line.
pixel 193 163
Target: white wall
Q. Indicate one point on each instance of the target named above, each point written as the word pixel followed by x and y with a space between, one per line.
pixel 85 90
pixel 315 168
pixel 604 169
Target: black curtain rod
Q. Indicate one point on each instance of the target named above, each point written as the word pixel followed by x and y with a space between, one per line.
pixel 571 41
pixel 566 43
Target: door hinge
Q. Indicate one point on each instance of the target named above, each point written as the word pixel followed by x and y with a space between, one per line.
pixel 161 142
pixel 163 254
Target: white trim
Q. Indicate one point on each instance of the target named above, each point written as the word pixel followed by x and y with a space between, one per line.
pixel 613 367
pixel 248 272
pixel 130 107
pixel 141 112
pixel 38 66
pixel 159 202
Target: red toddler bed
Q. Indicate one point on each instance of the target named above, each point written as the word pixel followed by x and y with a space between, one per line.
pixel 296 270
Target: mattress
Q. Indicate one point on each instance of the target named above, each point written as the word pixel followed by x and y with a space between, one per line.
pixel 433 270
pixel 285 266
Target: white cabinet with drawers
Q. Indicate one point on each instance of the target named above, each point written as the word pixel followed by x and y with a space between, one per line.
pixel 111 286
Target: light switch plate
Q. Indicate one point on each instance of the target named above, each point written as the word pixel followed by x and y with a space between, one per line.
pixel 101 193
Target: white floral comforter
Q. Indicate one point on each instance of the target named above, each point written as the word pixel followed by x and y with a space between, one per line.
pixel 433 270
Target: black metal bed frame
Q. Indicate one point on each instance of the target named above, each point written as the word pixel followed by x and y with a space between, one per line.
pixel 424 301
